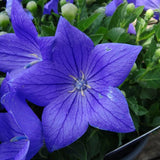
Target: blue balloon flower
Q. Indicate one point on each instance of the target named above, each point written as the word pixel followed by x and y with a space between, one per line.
pixel 79 86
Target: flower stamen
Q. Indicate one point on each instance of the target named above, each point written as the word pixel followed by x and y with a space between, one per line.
pixel 80 84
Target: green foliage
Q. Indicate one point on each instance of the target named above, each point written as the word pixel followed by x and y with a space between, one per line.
pixel 85 23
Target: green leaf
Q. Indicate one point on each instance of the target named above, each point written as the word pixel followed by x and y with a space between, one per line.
pixel 86 23
pixel 78 150
pixel 118 35
pixel 96 38
pixel 129 18
pixel 97 23
pixel 156 121
pixel 151 79
pixel 48 30
pixel 150 51
pixel 117 16
pixel 147 34
pixel 148 93
pixel 137 109
pixel 80 3
pixel 158 32
pixel 93 145
pixel 154 110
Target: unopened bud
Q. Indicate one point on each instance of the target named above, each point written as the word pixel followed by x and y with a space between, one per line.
pixel 123 92
pixel 2 33
pixel 62 2
pixel 149 14
pixel 4 20
pixel 32 6
pixel 157 53
pixel 130 8
pixel 134 67
pixel 100 10
pixel 69 11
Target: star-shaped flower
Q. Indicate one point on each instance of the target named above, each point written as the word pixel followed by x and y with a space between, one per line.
pixel 20 129
pixel 79 86
pixel 24 48
pixel 52 5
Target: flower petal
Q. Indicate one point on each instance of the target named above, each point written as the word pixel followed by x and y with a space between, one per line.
pixel 42 83
pixel 8 127
pixel 112 6
pixel 73 56
pixel 52 4
pixel 14 150
pixel 25 118
pixel 110 63
pixel 131 29
pixel 149 4
pixel 46 46
pixel 15 54
pixel 132 1
pixel 64 120
pixel 118 2
pixel 22 24
pixel 108 110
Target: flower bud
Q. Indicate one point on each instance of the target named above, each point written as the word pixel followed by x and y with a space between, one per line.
pixel 88 2
pixel 69 11
pixel 62 2
pixel 32 6
pixel 157 53
pixel 124 93
pixel 2 33
pixel 149 14
pixel 100 10
pixel 130 8
pixel 134 67
pixel 4 20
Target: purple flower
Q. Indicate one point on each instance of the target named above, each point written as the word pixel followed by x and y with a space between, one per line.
pixel 79 86
pixel 52 5
pixel 24 48
pixel 111 8
pixel 20 129
pixel 150 4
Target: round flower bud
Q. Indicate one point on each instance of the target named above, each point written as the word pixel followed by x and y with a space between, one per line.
pixel 156 56
pixel 69 11
pixel 123 92
pixel 4 20
pixel 157 53
pixel 100 10
pixel 130 8
pixel 134 67
pixel 88 2
pixel 149 14
pixel 62 2
pixel 32 6
pixel 2 33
